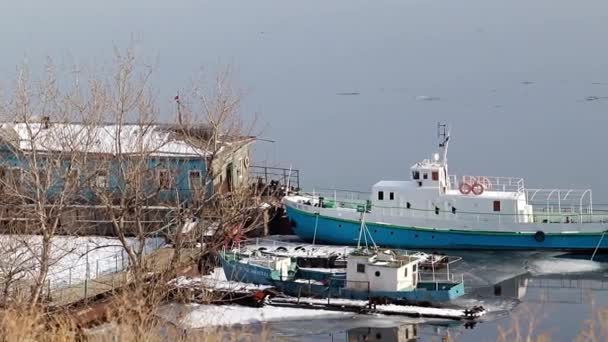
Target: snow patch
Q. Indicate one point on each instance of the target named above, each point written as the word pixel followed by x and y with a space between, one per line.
pixel 196 316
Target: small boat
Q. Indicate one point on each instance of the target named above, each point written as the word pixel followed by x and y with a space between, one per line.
pixel 369 273
pixel 310 256
pixel 436 210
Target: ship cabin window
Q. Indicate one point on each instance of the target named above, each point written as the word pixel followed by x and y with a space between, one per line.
pixel 496 205
pixel 497 290
pixel 408 205
pixel 360 268
pixel 380 195
pixel 405 273
pixel 391 196
pixel 415 175
pixel 435 175
pixel 425 175
pixel 414 268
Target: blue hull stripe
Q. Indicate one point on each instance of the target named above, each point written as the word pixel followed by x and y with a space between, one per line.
pixel 345 232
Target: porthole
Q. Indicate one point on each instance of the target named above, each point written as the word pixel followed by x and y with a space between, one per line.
pixel 392 233
pixel 432 236
pixel 340 225
pixel 416 236
pixel 375 231
pixel 377 273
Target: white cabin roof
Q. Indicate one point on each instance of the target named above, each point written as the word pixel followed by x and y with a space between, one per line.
pixel 395 184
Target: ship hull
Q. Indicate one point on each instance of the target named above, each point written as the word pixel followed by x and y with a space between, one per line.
pixel 323 228
pixel 333 285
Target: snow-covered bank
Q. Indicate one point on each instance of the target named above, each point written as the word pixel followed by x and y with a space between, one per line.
pixel 73 259
pixel 196 316
pixel 198 282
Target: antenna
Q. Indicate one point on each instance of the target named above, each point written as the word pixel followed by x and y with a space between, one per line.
pixel 179 109
pixel 442 133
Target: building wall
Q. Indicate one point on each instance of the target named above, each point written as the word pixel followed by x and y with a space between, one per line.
pixel 387 279
pixel 429 197
pixel 231 168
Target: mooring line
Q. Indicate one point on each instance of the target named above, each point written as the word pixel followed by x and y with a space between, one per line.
pixel 314 237
pixel 598 245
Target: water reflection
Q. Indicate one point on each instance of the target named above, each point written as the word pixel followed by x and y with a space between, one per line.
pixel 550 286
pixel 406 332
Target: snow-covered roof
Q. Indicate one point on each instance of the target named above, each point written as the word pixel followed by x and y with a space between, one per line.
pixel 155 140
pixel 385 184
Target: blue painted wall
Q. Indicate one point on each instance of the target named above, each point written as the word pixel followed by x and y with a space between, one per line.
pixel 179 169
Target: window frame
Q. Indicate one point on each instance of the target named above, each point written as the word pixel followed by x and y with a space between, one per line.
pixel 360 268
pixel 415 175
pixel 101 174
pixel 435 176
pixel 391 196
pixel 159 179
pixel 381 195
pixel 199 179
pixel 496 206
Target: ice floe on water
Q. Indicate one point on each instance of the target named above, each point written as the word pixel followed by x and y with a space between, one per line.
pixel 427 98
pixel 196 316
pixel 563 265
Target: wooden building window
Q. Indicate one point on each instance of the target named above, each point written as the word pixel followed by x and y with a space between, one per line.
pixel 416 175
pixel 391 196
pixel 425 175
pixel 164 179
pixel 101 179
pixel 195 179
pixel 496 205
pixel 380 195
pixel 361 268
pixel 73 177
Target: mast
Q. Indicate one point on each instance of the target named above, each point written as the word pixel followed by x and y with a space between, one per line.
pixel 443 134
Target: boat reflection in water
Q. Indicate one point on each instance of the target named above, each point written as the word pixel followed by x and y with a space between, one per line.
pixel 406 332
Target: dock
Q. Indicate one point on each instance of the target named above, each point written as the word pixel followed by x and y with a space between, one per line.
pixel 369 308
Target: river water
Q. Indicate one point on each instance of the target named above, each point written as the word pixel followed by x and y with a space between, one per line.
pixel 351 91
pixel 538 293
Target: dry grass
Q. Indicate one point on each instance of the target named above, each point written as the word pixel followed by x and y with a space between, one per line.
pixel 129 317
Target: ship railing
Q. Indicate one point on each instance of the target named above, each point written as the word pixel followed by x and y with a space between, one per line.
pixel 564 216
pixel 550 215
pixel 438 277
pixel 490 183
pixel 339 197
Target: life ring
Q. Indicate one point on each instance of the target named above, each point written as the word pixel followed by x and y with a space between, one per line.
pixel 246 162
pixel 539 236
pixel 477 188
pixel 465 188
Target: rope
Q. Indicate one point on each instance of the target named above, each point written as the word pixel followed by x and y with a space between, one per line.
pixel 314 237
pixel 598 245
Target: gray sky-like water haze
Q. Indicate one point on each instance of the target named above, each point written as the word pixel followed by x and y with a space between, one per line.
pixel 515 79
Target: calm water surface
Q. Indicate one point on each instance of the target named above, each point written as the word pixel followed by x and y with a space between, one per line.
pixel 537 292
pixel 351 91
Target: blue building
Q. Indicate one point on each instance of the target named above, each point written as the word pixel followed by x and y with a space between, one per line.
pixel 165 162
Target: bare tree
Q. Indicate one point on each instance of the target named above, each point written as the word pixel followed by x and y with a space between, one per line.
pixel 210 121
pixel 41 154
